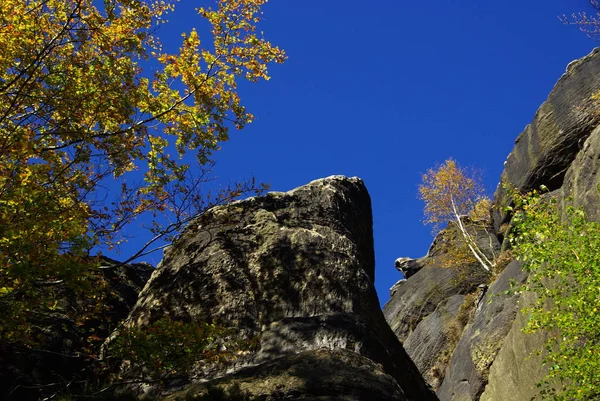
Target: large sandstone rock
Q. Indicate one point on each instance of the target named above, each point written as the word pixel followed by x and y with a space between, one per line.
pixel 314 375
pixel 432 342
pixel 424 310
pixel 468 370
pixel 518 367
pixel 494 359
pixel 544 151
pixel 296 271
pixel 582 181
pixel 420 295
pixel 58 363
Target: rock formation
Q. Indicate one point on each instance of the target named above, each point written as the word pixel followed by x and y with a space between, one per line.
pixel 566 161
pixel 292 274
pixel 582 180
pixel 482 338
pixel 546 148
pixel 490 358
pixel 428 311
pixel 294 270
pixel 408 266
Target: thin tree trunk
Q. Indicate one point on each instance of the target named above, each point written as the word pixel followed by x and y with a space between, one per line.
pixel 470 243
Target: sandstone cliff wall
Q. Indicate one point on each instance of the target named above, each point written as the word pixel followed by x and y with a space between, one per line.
pixel 493 359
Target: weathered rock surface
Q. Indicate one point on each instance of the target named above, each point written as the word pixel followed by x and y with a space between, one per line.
pixel 493 359
pixel 409 266
pixel 518 366
pixel 421 295
pixel 582 180
pixel 32 374
pixel 544 151
pixel 468 370
pixel 315 375
pixel 424 310
pixel 296 270
pixel 433 340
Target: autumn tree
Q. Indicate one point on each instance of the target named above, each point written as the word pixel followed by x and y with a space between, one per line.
pixel 96 121
pixel 451 193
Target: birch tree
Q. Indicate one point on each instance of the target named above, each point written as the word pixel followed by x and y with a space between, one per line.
pixel 451 193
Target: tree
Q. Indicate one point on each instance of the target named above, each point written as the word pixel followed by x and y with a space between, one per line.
pixel 588 24
pixel 560 252
pixel 452 193
pixel 90 102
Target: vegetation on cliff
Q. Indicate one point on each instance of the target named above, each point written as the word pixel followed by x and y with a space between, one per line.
pixel 560 251
pixel 452 193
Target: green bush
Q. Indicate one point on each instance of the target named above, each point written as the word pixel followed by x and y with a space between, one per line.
pixel 561 251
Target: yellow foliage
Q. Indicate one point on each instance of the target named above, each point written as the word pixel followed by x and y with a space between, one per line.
pixel 450 191
pixel 78 110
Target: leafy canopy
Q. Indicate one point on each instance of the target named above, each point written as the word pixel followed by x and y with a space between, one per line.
pixel 167 348
pixel 561 255
pixel 90 100
pixel 450 192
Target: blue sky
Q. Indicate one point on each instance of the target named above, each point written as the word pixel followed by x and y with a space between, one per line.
pixel 386 89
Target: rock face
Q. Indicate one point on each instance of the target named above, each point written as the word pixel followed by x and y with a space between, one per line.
pixel 33 374
pixel 296 271
pixel 316 375
pixel 467 372
pixel 517 368
pixel 408 266
pixel 568 163
pixel 425 310
pixel 545 150
pixel 582 180
pixel 492 359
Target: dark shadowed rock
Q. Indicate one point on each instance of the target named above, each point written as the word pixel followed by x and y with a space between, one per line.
pixel 582 181
pixel 544 151
pixel 431 285
pixel 423 311
pixel 433 340
pixel 315 375
pixel 294 269
pixel 58 363
pixel 467 372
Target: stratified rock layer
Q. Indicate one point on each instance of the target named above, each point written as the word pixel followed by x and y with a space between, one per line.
pixel 467 372
pixel 315 375
pixel 518 367
pixel 494 359
pixel 544 151
pixel 424 311
pixel 294 269
pixel 582 180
